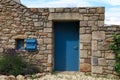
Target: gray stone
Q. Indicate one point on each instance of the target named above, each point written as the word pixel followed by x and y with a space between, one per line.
pixel 111 62
pixel 94 61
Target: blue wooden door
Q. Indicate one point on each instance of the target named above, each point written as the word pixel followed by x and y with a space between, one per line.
pixel 66 46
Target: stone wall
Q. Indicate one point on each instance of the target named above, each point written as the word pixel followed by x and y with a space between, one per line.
pixel 19 22
pixel 102 56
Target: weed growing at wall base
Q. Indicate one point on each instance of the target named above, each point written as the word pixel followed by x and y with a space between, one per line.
pixel 12 64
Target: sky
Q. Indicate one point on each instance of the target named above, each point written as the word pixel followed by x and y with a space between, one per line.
pixel 112 7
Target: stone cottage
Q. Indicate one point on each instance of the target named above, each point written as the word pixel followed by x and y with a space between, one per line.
pixel 59 39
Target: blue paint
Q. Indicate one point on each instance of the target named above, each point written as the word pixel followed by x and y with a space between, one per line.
pixel 66 46
pixel 31 44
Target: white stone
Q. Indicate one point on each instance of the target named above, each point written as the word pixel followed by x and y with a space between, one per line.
pixel 3 77
pixel 20 77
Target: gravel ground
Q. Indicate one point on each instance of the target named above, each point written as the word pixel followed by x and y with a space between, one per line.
pixel 71 76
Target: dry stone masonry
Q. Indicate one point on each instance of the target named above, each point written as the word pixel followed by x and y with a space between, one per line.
pixel 20 22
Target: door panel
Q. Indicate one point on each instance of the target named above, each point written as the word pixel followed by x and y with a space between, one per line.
pixel 66 45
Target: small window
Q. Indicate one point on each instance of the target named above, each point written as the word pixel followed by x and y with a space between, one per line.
pixel 20 44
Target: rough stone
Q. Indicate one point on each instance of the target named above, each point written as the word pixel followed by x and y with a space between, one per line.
pixel 91 23
pixel 103 46
pixel 48 40
pixel 83 23
pixel 20 77
pixel 109 39
pixel 100 23
pixel 85 38
pixel 51 10
pixel 47 29
pixel 85 67
pixel 64 16
pixel 49 47
pixel 59 9
pixel 19 37
pixel 1 50
pixel 83 53
pixel 83 11
pixel 98 35
pixel 111 62
pixel 94 61
pixel 102 61
pixel 97 69
pixel 109 55
pixel 82 30
pixel 100 10
pixel 20 22
pixel 3 77
pixel 49 58
pixel 11 77
pixel 96 54
pixel 38 23
pixel 34 10
pixel 92 10
pixel 94 45
pixel 81 45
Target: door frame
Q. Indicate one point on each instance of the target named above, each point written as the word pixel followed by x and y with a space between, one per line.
pixel 53 21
